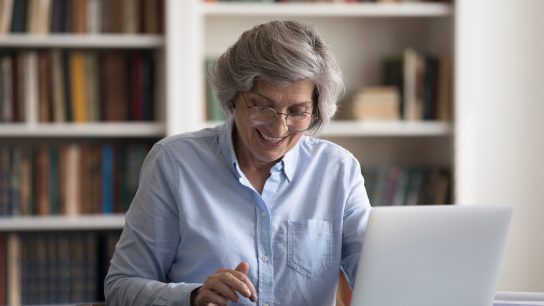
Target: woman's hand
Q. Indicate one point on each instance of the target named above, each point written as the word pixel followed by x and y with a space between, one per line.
pixel 223 286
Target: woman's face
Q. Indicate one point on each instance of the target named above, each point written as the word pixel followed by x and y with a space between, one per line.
pixel 258 145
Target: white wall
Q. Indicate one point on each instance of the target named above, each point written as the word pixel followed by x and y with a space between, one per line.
pixel 499 127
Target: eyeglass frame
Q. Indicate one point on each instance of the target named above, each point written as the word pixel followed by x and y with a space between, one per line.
pixel 312 116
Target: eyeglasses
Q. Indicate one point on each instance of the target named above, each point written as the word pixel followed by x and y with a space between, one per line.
pixel 263 115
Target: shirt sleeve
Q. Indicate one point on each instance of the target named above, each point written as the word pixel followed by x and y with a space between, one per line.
pixel 149 242
pixel 355 221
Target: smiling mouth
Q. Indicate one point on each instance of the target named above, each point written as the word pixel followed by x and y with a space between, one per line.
pixel 271 139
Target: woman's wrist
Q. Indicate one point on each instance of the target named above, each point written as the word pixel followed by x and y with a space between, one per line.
pixel 193 296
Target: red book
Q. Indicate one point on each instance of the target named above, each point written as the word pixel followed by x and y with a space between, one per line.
pixel 114 86
pixel 44 88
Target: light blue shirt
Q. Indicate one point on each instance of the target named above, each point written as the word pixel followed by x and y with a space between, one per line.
pixel 195 212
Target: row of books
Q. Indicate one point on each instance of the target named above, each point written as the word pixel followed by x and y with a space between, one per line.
pixel 77 86
pixel 417 86
pixel 81 16
pixel 54 268
pixel 71 179
pixel 394 185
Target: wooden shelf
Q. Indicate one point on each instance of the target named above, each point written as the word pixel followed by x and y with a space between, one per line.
pixel 346 128
pixel 109 41
pixel 119 129
pixel 62 223
pixel 384 129
pixel 328 9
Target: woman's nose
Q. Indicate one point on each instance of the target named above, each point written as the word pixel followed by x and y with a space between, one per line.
pixel 279 126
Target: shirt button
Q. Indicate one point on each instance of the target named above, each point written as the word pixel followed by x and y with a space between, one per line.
pixel 265 304
pixel 265 258
pixel 263 214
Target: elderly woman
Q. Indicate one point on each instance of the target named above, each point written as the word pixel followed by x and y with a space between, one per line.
pixel 253 212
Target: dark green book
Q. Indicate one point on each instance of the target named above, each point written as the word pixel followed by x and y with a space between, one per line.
pixel 18 20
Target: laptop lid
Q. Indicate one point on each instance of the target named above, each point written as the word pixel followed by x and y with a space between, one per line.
pixel 431 255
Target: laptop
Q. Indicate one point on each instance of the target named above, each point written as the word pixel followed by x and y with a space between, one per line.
pixel 447 255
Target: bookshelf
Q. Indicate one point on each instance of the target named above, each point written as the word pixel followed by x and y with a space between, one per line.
pixel 73 227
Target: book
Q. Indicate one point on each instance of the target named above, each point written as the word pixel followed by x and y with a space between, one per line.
pixel 148 87
pixel 3 268
pixel 29 89
pixel 14 186
pixel 409 77
pixel 67 86
pixel 19 16
pixel 377 104
pixel 4 178
pixel 32 16
pixel 43 24
pixel 2 85
pixel 54 189
pixel 92 87
pixel 17 86
pixel 113 84
pixel 84 180
pixel 43 180
pixel 108 178
pixel 116 14
pixel 38 16
pixel 443 112
pixel 63 172
pixel 73 179
pixel 78 83
pixel 131 16
pixel 68 20
pixel 27 180
pixel 95 176
pixel 7 88
pixel 6 10
pixel 152 16
pixel 58 16
pixel 430 86
pixel 44 87
pixel 94 16
pixel 79 13
pixel 393 76
pixel 13 269
pixel 137 87
pixel 106 12
pixel 57 86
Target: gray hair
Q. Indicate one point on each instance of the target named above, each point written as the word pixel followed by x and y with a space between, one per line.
pixel 283 52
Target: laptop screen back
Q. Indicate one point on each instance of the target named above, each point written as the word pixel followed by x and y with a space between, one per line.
pixel 431 256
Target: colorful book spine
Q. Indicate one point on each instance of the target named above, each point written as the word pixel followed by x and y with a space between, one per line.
pixel 107 179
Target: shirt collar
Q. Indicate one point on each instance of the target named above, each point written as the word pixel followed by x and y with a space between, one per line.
pixel 287 164
pixel 227 147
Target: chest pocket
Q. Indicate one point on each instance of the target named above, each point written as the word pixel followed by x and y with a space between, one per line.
pixel 309 246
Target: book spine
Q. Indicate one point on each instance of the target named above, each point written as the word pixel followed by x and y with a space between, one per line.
pixel 78 82
pixel 6 12
pixel 73 178
pixel 14 270
pixel 107 178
